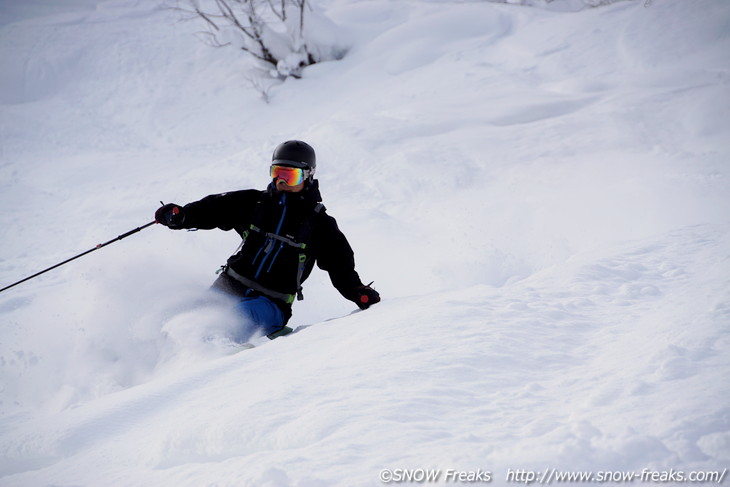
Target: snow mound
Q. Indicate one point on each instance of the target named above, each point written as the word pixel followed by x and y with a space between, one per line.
pixel 572 366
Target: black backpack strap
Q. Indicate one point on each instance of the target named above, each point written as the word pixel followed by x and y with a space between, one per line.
pixel 258 214
pixel 304 233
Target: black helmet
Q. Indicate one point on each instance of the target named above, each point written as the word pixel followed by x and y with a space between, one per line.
pixel 295 153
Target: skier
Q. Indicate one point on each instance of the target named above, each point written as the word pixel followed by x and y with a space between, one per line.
pixel 285 230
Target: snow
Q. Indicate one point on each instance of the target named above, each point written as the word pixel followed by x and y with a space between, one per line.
pixel 540 195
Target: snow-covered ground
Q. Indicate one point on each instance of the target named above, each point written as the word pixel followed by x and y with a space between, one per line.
pixel 540 195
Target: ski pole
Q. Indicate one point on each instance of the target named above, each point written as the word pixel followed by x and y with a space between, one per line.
pixel 81 254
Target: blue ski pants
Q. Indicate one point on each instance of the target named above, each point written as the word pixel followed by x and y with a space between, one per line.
pixel 259 314
pixel 262 312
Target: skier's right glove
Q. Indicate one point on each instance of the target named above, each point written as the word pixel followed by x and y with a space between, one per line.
pixel 170 215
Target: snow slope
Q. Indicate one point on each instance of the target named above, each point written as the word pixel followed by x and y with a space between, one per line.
pixel 540 196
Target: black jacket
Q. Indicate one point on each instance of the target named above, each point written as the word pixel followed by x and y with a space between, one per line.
pixel 273 226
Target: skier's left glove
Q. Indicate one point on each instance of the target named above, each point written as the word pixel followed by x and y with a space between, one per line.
pixel 366 297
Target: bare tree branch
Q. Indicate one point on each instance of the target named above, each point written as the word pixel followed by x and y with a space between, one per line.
pixel 205 17
pixel 279 12
pixel 249 17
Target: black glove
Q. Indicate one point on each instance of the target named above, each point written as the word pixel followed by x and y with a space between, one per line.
pixel 170 215
pixel 366 297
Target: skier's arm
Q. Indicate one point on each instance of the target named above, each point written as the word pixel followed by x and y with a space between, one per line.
pixel 222 211
pixel 337 258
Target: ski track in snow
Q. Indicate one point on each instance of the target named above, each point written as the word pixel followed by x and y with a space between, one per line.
pixel 540 197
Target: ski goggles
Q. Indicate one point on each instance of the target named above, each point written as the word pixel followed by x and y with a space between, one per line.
pixel 292 176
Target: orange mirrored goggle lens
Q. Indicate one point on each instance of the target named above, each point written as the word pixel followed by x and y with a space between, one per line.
pixel 292 176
